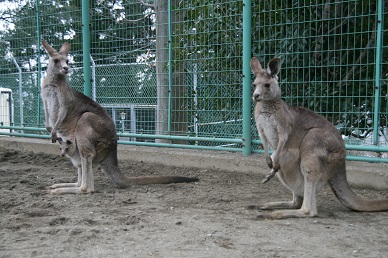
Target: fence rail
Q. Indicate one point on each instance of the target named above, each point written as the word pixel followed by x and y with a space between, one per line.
pixel 180 76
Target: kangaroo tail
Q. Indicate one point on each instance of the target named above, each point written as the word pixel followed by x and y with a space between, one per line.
pixel 112 171
pixel 349 199
pixel 148 180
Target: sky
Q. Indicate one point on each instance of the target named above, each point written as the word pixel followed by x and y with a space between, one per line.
pixel 8 5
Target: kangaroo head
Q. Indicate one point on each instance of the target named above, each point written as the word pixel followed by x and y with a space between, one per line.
pixel 66 147
pixel 266 85
pixel 59 61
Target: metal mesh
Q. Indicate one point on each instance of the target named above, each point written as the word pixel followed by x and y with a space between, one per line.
pixel 328 54
pixel 211 48
pixel 178 72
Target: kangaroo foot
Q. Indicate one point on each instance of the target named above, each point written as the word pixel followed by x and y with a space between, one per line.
pixel 283 214
pixel 62 185
pixel 303 212
pixel 71 190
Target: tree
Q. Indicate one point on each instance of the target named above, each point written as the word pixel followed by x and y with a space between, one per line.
pixel 327 51
pixel 161 9
pixel 330 52
pixel 112 43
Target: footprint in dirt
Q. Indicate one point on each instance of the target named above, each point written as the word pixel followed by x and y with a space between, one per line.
pixel 58 221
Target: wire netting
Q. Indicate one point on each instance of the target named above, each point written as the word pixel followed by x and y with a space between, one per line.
pixel 330 59
pixel 175 67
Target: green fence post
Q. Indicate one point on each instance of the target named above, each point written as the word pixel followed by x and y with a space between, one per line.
pixel 38 57
pixel 379 30
pixel 86 47
pixel 169 66
pixel 247 46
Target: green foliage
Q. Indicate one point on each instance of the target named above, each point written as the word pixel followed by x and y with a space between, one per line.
pixel 122 31
pixel 328 54
pixel 112 43
pixel 209 40
pixel 327 50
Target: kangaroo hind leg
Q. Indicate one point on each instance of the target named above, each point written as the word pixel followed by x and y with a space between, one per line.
pixel 85 182
pixel 307 209
pixel 64 185
pixel 296 203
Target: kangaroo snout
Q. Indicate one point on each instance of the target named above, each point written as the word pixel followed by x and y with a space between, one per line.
pixel 256 97
pixel 65 69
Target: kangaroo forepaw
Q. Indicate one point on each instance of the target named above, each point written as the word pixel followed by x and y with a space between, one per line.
pixel 275 166
pixel 53 137
pixel 269 176
pixel 268 160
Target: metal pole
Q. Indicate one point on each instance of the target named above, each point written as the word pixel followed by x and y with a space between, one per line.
pixel 247 46
pixel 379 31
pixel 86 47
pixel 169 66
pixel 133 121
pixel 195 83
pixel 39 75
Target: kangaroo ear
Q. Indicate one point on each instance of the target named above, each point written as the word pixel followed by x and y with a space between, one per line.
pixel 256 66
pixel 69 142
pixel 50 50
pixel 273 67
pixel 60 140
pixel 65 49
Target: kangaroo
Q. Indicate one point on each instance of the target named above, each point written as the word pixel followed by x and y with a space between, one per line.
pixel 70 115
pixel 55 90
pixel 308 151
pixel 69 149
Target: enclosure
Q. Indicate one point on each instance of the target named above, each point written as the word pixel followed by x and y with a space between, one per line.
pixel 176 73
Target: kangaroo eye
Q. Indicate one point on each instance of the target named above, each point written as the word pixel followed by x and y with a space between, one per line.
pixel 56 61
pixel 267 85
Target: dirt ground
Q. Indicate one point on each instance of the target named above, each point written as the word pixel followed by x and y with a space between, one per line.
pixel 204 219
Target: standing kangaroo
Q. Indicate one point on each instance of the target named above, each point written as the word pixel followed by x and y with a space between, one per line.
pixel 308 151
pixel 55 91
pixel 71 115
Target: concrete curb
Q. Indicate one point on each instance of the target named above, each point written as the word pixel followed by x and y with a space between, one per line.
pixel 360 174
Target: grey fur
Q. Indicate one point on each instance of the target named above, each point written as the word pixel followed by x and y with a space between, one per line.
pixel 308 151
pixel 70 115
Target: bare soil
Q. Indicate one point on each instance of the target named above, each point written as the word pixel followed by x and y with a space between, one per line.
pixel 204 219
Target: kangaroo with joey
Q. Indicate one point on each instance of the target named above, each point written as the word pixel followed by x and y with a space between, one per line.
pixel 87 132
pixel 308 151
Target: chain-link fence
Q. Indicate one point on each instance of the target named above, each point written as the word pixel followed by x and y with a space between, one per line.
pixel 171 72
